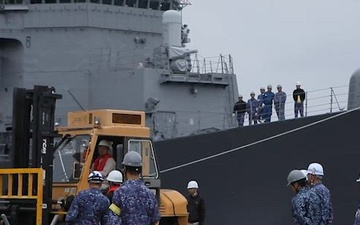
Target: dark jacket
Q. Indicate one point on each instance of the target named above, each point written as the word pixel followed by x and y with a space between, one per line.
pixel 196 209
pixel 240 107
pixel 300 92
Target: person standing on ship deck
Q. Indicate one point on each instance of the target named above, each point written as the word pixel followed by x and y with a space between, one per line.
pixel 239 110
pixel 252 108
pixel 268 102
pixel 260 104
pixel 299 98
pixel 279 103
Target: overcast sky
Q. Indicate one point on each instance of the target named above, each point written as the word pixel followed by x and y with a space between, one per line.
pixel 316 42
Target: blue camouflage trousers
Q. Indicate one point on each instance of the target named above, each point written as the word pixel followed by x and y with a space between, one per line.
pixel 357 217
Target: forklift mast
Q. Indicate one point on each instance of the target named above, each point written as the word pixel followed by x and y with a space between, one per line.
pixel 33 135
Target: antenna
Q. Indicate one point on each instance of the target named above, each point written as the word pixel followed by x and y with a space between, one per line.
pixel 75 99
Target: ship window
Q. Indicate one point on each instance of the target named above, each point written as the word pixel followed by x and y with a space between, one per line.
pixel 131 3
pixel 11 2
pixel 94 1
pixel 65 1
pixel 35 1
pixel 143 4
pixel 154 5
pixel 106 2
pixel 119 2
pixel 50 1
pixel 165 6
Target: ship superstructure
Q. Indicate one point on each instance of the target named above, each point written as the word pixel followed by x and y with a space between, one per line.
pixel 121 54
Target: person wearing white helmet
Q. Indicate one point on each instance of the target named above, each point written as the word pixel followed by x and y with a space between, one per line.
pixel 315 175
pixel 268 102
pixel 279 103
pixel 357 213
pixel 196 205
pixel 306 207
pixel 252 108
pixel 299 98
pixel 104 163
pixel 89 206
pixel 239 110
pixel 115 179
pixel 260 99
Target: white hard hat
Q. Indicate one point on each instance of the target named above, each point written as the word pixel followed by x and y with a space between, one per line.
pixel 315 169
pixel 105 143
pixel 305 172
pixel 252 93
pixel 269 86
pixel 95 177
pixel 298 83
pixel 262 88
pixel 192 184
pixel 279 86
pixel 115 176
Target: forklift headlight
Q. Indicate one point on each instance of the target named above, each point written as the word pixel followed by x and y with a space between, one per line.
pixel 96 122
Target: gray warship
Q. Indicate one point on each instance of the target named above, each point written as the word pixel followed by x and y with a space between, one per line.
pixel 128 54
pixel 118 54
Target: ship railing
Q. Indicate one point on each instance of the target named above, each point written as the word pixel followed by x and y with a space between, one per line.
pixel 317 102
pixel 160 5
pixel 218 64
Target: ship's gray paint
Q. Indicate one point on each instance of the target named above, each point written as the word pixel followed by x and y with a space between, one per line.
pixel 97 56
pixel 354 90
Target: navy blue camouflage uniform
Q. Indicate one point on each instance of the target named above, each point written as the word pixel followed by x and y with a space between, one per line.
pixel 324 194
pixel 357 216
pixel 268 99
pixel 136 205
pixel 89 207
pixel 306 208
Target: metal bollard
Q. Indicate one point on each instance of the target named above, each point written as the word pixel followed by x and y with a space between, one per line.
pixel 4 218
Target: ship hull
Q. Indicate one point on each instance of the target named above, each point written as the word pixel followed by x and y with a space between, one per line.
pixel 247 185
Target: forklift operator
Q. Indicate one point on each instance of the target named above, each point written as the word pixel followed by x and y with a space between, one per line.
pixel 104 163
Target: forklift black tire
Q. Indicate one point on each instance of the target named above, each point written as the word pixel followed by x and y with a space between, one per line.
pixel 168 221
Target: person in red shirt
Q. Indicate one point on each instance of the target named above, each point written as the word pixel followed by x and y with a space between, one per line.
pixel 104 163
pixel 115 179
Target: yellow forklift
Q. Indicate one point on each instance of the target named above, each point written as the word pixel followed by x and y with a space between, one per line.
pixel 42 182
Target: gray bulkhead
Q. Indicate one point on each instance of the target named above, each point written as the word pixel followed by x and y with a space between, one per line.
pixel 96 56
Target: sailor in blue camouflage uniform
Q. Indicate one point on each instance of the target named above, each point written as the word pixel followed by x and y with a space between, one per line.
pixel 90 206
pixel 133 203
pixel 315 174
pixel 306 207
pixel 357 213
